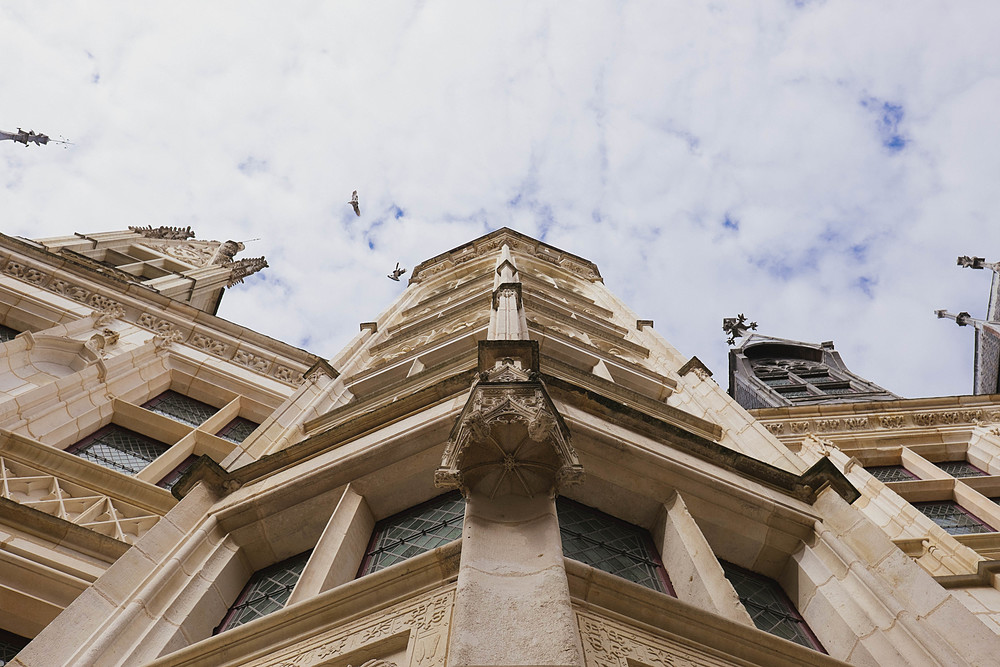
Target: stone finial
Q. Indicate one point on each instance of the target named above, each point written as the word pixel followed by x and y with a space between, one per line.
pixel 962 319
pixel 642 324
pixel 737 327
pixel 977 263
pixel 169 233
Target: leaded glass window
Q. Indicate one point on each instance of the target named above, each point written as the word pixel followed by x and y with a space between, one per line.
pixel 960 469
pixel 891 473
pixel 609 544
pixel 180 408
pixel 119 448
pixel 267 591
pixel 6 333
pixel 171 477
pixel 769 607
pixel 955 519
pixel 238 430
pixel 414 531
pixel 10 646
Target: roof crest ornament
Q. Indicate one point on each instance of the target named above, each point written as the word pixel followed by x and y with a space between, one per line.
pixel 737 327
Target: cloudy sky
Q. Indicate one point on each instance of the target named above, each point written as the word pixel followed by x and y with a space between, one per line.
pixel 815 165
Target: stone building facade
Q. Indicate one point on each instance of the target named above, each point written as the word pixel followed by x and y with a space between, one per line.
pixel 506 467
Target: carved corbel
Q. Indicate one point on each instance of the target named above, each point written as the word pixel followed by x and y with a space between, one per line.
pixel 509 440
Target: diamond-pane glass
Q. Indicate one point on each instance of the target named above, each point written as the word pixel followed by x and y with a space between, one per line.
pixel 768 606
pixel 891 473
pixel 10 646
pixel 609 544
pixel 960 469
pixel 268 590
pixel 181 408
pixel 171 477
pixel 953 518
pixel 6 333
pixel 120 449
pixel 238 430
pixel 415 531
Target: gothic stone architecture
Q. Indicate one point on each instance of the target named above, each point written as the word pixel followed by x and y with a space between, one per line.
pixel 506 467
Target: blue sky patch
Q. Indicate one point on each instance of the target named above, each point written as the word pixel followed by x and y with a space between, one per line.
pixel 730 222
pixel 252 165
pixel 889 116
pixel 867 286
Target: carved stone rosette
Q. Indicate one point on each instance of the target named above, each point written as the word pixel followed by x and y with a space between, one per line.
pixel 509 440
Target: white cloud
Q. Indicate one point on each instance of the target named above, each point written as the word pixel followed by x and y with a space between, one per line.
pixel 624 133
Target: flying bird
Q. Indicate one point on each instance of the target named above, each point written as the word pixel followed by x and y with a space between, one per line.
pixel 396 273
pixel 354 203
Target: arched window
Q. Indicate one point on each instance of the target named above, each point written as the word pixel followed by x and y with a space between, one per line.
pixel 266 592
pixel 609 544
pixel 414 531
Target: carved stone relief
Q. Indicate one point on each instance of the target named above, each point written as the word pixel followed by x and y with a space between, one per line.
pixel 25 273
pixel 191 253
pixel 210 345
pixel 509 440
pixel 426 617
pixel 160 326
pixel 608 643
pixel 252 361
pixel 891 421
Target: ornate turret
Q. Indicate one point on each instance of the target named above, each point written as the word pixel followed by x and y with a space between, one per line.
pixel 167 260
pixel 769 372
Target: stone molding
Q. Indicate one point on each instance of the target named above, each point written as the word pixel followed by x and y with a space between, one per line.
pixel 28 486
pixel 169 328
pixel 852 423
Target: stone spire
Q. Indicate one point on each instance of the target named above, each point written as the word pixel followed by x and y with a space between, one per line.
pixel 507 319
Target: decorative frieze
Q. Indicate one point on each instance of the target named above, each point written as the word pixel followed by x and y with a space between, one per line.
pixel 426 618
pixel 209 344
pixel 856 423
pixel 891 421
pixel 798 427
pixel 25 273
pixel 153 323
pixel 607 643
pixel 252 361
pixel 65 288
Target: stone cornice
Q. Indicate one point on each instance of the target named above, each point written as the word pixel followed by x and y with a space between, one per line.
pixel 159 314
pixel 673 427
pixel 891 417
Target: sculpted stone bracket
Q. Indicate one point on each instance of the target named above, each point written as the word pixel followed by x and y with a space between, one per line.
pixel 509 439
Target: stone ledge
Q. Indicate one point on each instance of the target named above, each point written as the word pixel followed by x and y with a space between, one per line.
pixel 435 570
pixel 662 615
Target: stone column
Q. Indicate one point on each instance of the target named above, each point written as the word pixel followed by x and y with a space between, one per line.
pixel 512 606
pixel 509 454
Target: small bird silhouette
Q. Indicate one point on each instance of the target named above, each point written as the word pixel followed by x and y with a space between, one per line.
pixel 354 203
pixel 396 273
